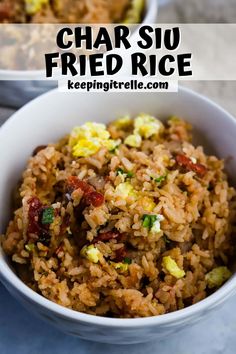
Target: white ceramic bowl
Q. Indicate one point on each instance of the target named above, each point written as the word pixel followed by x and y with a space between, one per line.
pixel 15 91
pixel 52 115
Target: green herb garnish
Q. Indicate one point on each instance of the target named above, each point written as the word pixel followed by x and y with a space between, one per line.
pixel 113 151
pixel 128 174
pixel 30 247
pixel 48 216
pixel 160 179
pixel 149 220
pixel 120 171
pixel 127 260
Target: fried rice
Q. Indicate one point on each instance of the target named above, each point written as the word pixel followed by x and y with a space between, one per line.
pixel 125 220
pixel 68 11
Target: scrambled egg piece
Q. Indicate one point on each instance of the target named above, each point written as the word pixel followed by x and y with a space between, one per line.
pixel 123 122
pixel 157 226
pixel 111 144
pixel 134 14
pixel 34 6
pixel 147 203
pixel 86 147
pixel 217 276
pixel 174 119
pixel 125 190
pixel 89 130
pixel 147 126
pixel 123 267
pixel 171 266
pixel 87 139
pixel 91 253
pixel 133 140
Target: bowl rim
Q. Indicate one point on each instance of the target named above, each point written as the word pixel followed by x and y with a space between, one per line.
pixel 7 275
pixel 151 12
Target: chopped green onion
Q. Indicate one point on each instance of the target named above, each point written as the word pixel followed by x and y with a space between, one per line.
pixel 130 174
pixel 120 171
pixel 160 179
pixel 48 216
pixel 127 260
pixel 149 220
pixel 114 149
pixel 30 247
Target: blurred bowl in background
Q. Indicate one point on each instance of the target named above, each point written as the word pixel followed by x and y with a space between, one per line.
pixel 19 87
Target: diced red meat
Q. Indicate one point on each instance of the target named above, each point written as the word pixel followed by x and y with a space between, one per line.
pixel 5 11
pixel 35 207
pixel 121 253
pixel 184 161
pixel 200 169
pixel 35 227
pixel 74 183
pixel 90 195
pixel 94 198
pixel 107 236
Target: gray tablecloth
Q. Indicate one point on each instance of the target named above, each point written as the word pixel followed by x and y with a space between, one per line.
pixel 21 333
